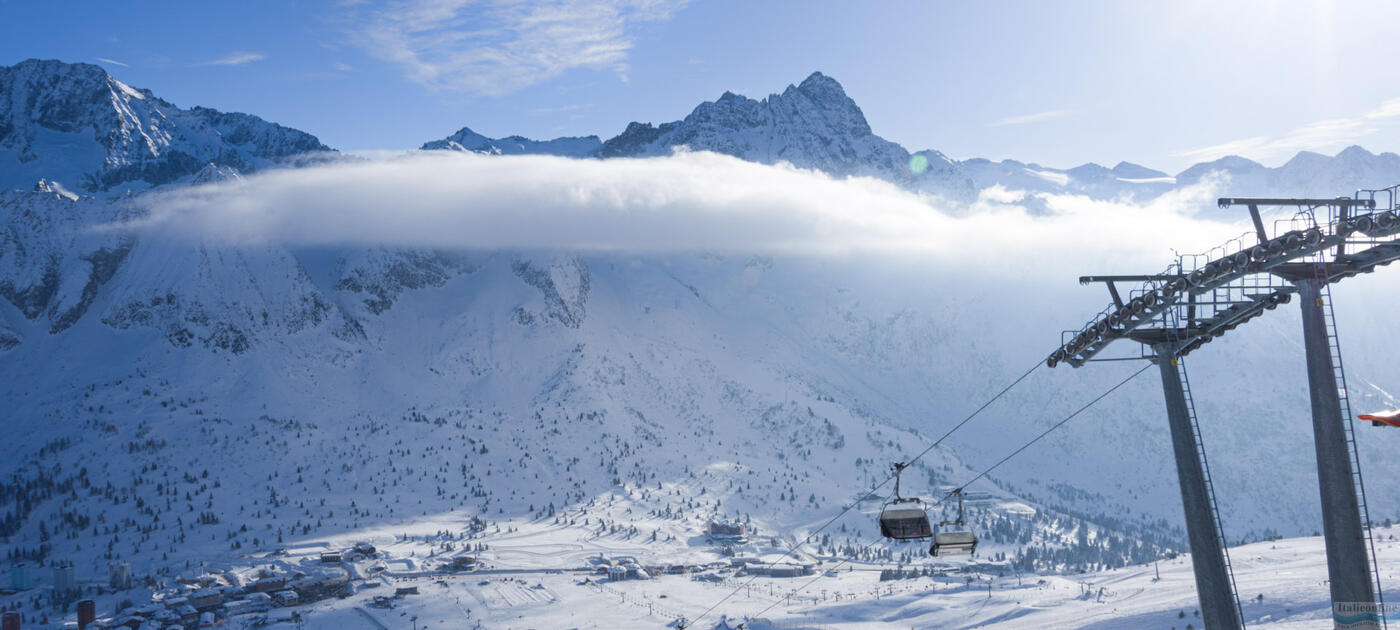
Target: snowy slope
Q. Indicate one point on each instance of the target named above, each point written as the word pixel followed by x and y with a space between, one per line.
pixel 51 264
pixel 75 124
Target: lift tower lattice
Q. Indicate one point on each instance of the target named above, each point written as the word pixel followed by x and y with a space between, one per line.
pixel 1201 297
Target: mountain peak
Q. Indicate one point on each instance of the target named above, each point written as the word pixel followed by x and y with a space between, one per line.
pixel 54 188
pixel 1129 170
pixel 56 67
pixel 824 89
pixel 466 140
pixel 1354 152
pixel 810 125
pixel 76 123
pixel 819 81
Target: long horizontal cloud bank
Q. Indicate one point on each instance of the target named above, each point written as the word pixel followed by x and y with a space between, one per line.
pixel 685 202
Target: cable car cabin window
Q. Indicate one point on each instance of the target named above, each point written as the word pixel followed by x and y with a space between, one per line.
pixel 905 523
pixel 956 543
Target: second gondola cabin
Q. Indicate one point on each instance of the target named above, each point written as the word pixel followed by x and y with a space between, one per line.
pixel 953 543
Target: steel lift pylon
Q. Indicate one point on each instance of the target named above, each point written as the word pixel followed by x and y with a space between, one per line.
pixel 1198 299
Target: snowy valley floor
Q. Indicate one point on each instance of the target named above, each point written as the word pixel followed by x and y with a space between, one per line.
pixel 539 576
pixel 1290 574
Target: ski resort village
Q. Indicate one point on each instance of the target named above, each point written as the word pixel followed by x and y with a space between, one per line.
pixel 629 314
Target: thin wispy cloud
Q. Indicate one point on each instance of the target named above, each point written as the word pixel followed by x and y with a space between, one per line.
pixel 112 61
pixel 1388 109
pixel 234 59
pixel 1026 119
pixel 1322 135
pixel 494 47
pixel 562 109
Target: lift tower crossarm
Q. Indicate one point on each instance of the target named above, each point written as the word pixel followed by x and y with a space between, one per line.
pixel 1113 290
pixel 1339 202
pixel 1342 204
pixel 1198 286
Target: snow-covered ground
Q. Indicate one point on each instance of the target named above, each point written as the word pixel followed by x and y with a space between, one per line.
pixel 547 574
pixel 1282 584
pixel 1290 574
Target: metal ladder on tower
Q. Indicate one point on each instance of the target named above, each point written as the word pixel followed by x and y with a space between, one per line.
pixel 1173 324
pixel 1349 428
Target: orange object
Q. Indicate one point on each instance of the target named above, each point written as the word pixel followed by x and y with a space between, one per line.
pixel 1390 418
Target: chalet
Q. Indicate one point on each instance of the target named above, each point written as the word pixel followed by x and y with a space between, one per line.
pixel 404 591
pixel 286 598
pixel 206 599
pixel 330 557
pixel 269 584
pixel 790 570
pixel 128 621
pixel 727 529
pixel 462 563
pixel 617 574
pixel 254 603
pixel 188 615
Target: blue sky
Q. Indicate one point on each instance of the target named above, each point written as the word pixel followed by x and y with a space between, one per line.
pixel 1162 84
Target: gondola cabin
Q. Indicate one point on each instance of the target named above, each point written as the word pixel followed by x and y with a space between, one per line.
pixel 953 543
pixel 904 518
pixel 906 521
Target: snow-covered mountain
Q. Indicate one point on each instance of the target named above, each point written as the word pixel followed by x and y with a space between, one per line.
pixel 467 140
pixel 76 124
pixel 172 398
pixel 1352 168
pixel 811 125
pixel 815 125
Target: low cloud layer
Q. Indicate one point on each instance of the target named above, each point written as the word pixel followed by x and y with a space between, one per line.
pixel 685 202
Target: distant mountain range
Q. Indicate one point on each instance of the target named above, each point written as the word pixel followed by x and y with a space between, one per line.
pixel 816 125
pixel 77 125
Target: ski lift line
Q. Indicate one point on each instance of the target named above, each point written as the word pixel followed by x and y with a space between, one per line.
pixel 1047 431
pixel 974 414
pixel 871 493
pixel 946 496
pixel 968 483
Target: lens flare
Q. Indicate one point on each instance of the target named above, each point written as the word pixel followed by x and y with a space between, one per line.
pixel 918 163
